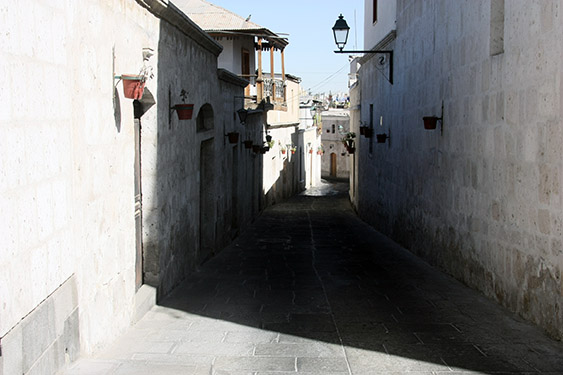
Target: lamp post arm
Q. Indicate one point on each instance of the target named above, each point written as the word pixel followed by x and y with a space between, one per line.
pixel 389 52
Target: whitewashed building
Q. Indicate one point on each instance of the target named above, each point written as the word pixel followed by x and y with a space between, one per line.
pixel 480 196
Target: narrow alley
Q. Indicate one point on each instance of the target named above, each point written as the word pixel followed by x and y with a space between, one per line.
pixel 309 288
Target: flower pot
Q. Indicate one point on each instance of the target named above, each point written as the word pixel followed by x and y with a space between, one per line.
pixel 368 133
pixel 133 86
pixel 233 137
pixel 351 150
pixel 292 151
pixel 256 148
pixel 283 152
pixel 247 144
pixel 310 151
pixel 381 138
pixel 430 122
pixel 362 130
pixel 184 111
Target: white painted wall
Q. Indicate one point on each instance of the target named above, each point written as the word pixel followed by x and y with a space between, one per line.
pixel 483 200
pixel 386 21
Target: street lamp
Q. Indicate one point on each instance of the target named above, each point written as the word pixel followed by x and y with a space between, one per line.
pixel 341 30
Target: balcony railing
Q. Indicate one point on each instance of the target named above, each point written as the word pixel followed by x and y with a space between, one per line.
pixel 264 89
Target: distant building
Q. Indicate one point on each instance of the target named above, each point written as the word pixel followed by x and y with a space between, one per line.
pixel 335 158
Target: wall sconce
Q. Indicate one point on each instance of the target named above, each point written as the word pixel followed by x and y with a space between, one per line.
pixel 341 30
pixel 242 114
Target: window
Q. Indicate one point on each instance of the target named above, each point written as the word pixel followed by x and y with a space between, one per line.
pixel 333 128
pixel 374 11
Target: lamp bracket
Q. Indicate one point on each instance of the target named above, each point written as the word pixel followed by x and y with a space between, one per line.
pixel 381 62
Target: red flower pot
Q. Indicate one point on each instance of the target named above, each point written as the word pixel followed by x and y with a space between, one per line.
pixel 133 86
pixel 247 144
pixel 283 152
pixel 233 137
pixel 184 111
pixel 362 130
pixel 430 122
pixel 256 148
pixel 368 133
pixel 381 138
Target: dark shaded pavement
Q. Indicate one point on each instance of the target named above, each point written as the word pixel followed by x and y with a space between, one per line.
pixel 311 289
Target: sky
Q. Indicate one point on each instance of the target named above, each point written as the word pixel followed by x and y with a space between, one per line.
pixel 309 23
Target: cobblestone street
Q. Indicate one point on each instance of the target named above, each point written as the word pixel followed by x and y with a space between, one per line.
pixel 311 289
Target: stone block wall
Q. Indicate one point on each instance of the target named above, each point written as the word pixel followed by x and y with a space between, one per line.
pixel 482 198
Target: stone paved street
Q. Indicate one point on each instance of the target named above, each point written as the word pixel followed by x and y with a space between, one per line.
pixel 311 289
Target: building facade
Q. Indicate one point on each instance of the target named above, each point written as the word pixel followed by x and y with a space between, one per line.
pixel 479 196
pixel 109 202
pixel 335 156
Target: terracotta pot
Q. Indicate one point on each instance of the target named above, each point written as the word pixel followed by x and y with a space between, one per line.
pixel 256 148
pixel 430 122
pixel 381 138
pixel 247 144
pixel 133 86
pixel 283 152
pixel 233 137
pixel 351 150
pixel 368 133
pixel 184 111
pixel 362 130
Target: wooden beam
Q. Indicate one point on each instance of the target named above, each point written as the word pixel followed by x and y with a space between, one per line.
pixel 259 82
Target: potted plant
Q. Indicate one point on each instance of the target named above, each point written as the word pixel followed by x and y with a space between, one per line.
pixel 293 149
pixel 134 84
pixel 430 122
pixel 247 143
pixel 233 137
pixel 283 149
pixel 320 150
pixel 368 132
pixel 184 111
pixel 381 138
pixel 362 129
pixel 256 148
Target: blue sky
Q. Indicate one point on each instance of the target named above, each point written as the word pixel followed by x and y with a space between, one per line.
pixel 309 54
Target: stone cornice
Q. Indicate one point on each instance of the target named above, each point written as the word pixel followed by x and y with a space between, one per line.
pixel 166 11
pixel 227 76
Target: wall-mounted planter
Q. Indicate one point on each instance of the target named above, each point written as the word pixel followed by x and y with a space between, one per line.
pixel 256 148
pixel 247 144
pixel 368 132
pixel 233 137
pixel 381 138
pixel 133 86
pixel 351 150
pixel 430 122
pixel 283 151
pixel 184 111
pixel 363 130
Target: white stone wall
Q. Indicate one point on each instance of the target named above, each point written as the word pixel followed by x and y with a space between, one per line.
pixel 386 21
pixel 66 173
pixel 482 199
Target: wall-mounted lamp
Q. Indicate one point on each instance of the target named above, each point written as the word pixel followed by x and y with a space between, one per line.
pixel 242 114
pixel 341 30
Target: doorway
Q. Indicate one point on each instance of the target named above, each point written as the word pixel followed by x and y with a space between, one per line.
pixel 333 165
